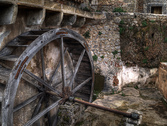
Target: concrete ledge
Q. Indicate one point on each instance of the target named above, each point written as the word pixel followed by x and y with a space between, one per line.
pixel 53 18
pixel 37 2
pixel 35 17
pixel 69 20
pixel 8 13
pixel 79 22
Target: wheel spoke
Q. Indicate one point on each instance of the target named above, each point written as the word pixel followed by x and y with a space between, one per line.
pixel 55 119
pixel 30 122
pixel 42 82
pixel 26 102
pixel 81 85
pixel 62 65
pixel 77 67
pixel 51 79
pixel 48 114
pixel 43 64
pixel 38 106
pixel 32 83
pixel 59 83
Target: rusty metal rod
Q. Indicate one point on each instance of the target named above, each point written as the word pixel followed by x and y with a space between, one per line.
pixel 132 115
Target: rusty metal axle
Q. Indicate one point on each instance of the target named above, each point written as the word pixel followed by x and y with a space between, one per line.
pixel 133 115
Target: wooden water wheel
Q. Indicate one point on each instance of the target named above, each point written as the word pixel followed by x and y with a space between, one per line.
pixel 40 70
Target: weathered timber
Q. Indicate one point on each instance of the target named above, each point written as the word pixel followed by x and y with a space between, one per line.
pixel 9 58
pixel 38 82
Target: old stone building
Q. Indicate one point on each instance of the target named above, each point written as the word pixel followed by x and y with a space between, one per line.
pixel 143 6
pixel 54 50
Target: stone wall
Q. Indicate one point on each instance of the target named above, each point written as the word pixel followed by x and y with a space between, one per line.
pixel 142 6
pixel 119 50
pixel 110 5
pixel 104 41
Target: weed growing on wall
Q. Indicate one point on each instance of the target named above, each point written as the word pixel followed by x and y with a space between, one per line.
pixel 144 23
pixel 95 57
pixel 114 53
pixel 86 34
pixel 95 94
pixel 165 41
pixel 102 57
pixel 100 33
pixel 152 21
pixel 131 28
pixel 145 61
pixel 121 30
pixel 86 9
pixel 146 48
pixel 121 22
pixel 118 9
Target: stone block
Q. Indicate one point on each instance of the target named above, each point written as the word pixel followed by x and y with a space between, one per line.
pixel 162 79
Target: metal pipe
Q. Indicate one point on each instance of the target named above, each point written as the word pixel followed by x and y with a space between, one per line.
pixel 132 115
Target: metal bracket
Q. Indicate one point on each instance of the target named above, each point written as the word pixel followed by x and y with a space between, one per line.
pixel 133 121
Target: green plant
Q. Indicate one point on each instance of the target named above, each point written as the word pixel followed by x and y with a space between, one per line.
pixel 123 94
pixel 136 87
pixel 114 53
pixel 118 58
pixel 98 10
pixel 102 57
pixel 113 92
pixel 164 27
pixel 165 41
pixel 121 22
pixel 152 21
pixel 146 48
pixel 118 9
pixel 79 123
pixel 95 94
pixel 95 57
pixel 144 61
pixel 121 30
pixel 86 9
pixel 130 28
pixel 86 34
pixel 100 33
pixel 144 23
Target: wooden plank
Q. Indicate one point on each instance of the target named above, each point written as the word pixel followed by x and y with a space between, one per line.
pixel 10 58
pixel 81 85
pixel 38 32
pixel 54 73
pixel 76 57
pixel 28 37
pixel 62 65
pixel 77 67
pixel 43 64
pixel 16 45
pixel 4 73
pixel 42 82
pixel 30 122
pixel 26 102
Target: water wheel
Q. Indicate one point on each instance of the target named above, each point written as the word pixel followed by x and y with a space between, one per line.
pixel 39 71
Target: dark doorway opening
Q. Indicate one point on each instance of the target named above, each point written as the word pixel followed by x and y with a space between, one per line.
pixel 156 10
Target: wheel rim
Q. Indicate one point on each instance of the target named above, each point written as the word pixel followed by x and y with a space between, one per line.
pixel 44 80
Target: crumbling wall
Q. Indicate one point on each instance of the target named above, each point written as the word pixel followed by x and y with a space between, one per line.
pixel 127 47
pixel 110 5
